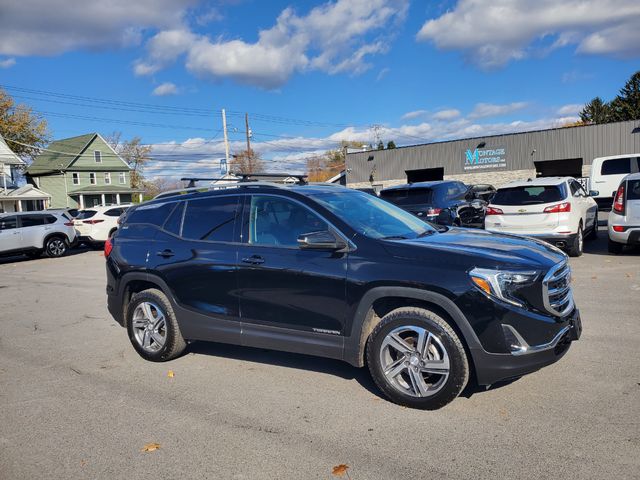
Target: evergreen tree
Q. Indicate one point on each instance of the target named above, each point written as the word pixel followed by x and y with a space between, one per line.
pixel 596 111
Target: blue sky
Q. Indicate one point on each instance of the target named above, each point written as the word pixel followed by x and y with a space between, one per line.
pixel 311 73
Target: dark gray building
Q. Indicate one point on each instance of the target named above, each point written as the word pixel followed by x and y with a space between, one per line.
pixel 495 159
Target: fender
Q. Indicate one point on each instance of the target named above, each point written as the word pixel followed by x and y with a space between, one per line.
pixel 364 321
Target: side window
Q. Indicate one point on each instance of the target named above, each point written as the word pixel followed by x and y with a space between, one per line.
pixel 31 220
pixel 174 222
pixel 575 188
pixel 153 214
pixel 51 219
pixel 114 212
pixel 278 221
pixel 616 166
pixel 8 223
pixel 211 219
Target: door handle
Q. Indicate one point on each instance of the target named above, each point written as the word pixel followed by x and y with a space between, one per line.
pixel 253 260
pixel 166 253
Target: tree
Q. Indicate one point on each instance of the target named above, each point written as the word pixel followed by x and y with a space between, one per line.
pixel 320 169
pixel 134 153
pixel 626 106
pixel 380 145
pixel 158 185
pixel 596 111
pixel 20 124
pixel 247 162
pixel 391 144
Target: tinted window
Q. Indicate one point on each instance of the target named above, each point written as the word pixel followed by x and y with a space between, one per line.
pixel 51 219
pixel 31 220
pixel 454 190
pixel 408 196
pixel 616 166
pixel 211 218
pixel 114 212
pixel 84 214
pixel 278 221
pixel 154 213
pixel 174 222
pixel 529 195
pixel 7 223
pixel 575 188
pixel 633 190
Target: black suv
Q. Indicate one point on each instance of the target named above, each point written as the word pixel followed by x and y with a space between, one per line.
pixel 333 272
pixel 446 202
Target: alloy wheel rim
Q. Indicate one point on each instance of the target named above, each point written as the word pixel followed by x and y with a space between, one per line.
pixel 414 361
pixel 149 327
pixel 56 247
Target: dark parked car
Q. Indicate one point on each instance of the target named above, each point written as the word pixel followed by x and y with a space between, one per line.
pixel 443 202
pixel 333 272
pixel 483 191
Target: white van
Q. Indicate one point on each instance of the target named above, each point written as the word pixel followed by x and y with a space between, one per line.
pixel 608 172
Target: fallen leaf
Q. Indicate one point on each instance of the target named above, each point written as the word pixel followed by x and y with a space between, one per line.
pixel 629 275
pixel 594 277
pixel 170 374
pixel 340 470
pixel 151 447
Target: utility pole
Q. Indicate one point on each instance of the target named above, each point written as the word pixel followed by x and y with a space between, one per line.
pixel 246 126
pixel 226 138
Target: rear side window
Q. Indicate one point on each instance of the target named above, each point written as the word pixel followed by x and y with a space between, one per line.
pixel 529 195
pixel 7 223
pixel 174 222
pixel 114 212
pixel 31 220
pixel 50 219
pixel 633 190
pixel 616 166
pixel 84 214
pixel 152 214
pixel 408 196
pixel 211 219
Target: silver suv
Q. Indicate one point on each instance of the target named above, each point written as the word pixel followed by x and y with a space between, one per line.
pixel 624 219
pixel 34 233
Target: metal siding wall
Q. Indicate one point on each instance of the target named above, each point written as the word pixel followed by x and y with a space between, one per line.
pixel 562 143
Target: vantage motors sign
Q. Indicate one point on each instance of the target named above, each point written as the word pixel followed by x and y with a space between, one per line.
pixel 482 158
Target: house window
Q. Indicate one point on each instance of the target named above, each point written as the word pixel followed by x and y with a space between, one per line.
pixel 107 178
pixel 97 155
pixel 92 178
pixel 123 178
pixel 75 177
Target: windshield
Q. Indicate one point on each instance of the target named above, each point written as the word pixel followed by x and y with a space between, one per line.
pixel 372 216
pixel 408 196
pixel 529 195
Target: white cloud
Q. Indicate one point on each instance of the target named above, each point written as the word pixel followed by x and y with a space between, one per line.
pixel 483 110
pixel 51 27
pixel 335 37
pixel 164 89
pixel 7 63
pixel 448 114
pixel 494 32
pixel 570 109
pixel 382 73
pixel 413 115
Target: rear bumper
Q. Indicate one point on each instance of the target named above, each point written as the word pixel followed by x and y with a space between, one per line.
pixel 560 240
pixel 631 236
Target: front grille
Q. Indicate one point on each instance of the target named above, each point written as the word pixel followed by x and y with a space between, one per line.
pixel 557 294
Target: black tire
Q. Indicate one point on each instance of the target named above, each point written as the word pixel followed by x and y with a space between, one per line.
pixel 615 247
pixel 575 249
pixel 174 345
pixel 446 389
pixel 56 246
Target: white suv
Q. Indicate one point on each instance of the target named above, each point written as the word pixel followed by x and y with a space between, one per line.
pixel 554 209
pixel 96 224
pixel 33 233
pixel 624 219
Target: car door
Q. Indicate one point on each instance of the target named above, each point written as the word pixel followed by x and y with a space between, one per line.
pixel 10 234
pixel 32 229
pixel 588 207
pixel 281 284
pixel 195 254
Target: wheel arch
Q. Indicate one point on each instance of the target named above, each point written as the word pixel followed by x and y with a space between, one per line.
pixel 51 235
pixel 136 282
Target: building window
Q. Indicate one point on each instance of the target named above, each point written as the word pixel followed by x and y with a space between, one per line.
pixel 107 178
pixel 123 178
pixel 75 177
pixel 97 155
pixel 92 178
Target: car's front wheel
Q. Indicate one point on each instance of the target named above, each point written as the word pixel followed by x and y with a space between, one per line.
pixel 153 328
pixel 417 359
pixel 56 247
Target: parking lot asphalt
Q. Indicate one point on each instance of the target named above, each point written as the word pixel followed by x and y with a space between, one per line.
pixel 76 401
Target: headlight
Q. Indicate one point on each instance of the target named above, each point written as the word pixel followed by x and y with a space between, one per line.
pixel 502 284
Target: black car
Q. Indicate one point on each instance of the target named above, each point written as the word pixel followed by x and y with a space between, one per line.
pixel 333 272
pixel 445 202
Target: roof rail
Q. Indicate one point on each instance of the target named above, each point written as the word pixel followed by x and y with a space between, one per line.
pixel 208 188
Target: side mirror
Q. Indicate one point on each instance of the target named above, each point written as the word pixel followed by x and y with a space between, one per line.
pixel 324 240
pixel 594 193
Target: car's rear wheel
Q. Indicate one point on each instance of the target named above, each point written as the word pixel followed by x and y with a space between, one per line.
pixel 615 247
pixel 56 247
pixel 576 248
pixel 417 359
pixel 153 328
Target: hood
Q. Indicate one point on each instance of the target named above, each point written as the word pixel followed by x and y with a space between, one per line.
pixel 490 250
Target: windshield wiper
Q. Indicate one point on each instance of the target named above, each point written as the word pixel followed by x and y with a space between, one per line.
pixel 394 237
pixel 426 233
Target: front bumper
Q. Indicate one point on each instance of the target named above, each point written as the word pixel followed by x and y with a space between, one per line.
pixel 496 367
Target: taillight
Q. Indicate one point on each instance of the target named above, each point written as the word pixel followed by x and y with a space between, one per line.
pixel 92 222
pixel 108 246
pixel 433 211
pixel 559 208
pixel 619 228
pixel 493 211
pixel 618 203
